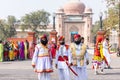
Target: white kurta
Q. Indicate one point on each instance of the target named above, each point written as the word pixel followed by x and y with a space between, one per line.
pixel 42 62
pixel 106 51
pixel 80 70
pixel 63 70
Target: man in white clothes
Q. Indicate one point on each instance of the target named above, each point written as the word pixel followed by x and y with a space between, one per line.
pixel 106 52
pixel 62 55
pixel 42 60
pixel 79 58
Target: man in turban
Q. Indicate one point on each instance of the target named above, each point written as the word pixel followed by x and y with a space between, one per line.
pixel 44 40
pixel 42 60
pixel 62 55
pixel 79 58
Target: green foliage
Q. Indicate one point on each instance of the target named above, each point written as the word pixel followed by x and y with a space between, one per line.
pixel 2 29
pixel 95 28
pixel 7 27
pixel 112 19
pixel 36 20
pixel 11 20
pixel 111 3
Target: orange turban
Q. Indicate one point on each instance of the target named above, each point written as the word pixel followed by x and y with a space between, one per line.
pixel 76 36
pixel 61 38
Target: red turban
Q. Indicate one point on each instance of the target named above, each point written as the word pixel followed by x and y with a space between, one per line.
pixel 61 38
pixel 76 36
pixel 43 36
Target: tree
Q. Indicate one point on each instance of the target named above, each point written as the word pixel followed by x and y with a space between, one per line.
pixel 7 28
pixel 11 20
pixel 111 2
pixel 113 20
pixel 35 20
pixel 96 27
pixel 2 30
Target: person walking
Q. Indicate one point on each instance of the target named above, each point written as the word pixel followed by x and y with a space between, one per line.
pixel 62 56
pixel 79 58
pixel 106 53
pixel 42 60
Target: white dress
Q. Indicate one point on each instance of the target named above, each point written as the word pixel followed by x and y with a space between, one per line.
pixel 80 70
pixel 42 61
pixel 63 70
pixel 106 52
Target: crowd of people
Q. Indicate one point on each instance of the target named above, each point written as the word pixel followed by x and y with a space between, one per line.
pixel 20 50
pixel 73 57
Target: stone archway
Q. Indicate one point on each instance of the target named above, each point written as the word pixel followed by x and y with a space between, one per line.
pixel 73 30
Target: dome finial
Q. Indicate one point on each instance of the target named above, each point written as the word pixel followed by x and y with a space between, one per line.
pixel 74 7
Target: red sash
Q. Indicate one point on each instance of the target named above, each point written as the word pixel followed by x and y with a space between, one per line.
pixel 60 58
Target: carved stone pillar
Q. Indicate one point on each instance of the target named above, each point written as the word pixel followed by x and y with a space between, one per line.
pixel 31 37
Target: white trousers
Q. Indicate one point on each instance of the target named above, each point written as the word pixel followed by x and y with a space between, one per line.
pixel 43 76
pixel 81 71
pixel 107 55
pixel 64 74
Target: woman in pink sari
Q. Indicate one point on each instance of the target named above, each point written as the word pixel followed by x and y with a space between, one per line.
pixel 31 50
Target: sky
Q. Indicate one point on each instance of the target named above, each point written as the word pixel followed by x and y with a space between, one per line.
pixel 19 8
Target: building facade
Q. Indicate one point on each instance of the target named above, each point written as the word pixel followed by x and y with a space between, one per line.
pixel 114 38
pixel 74 18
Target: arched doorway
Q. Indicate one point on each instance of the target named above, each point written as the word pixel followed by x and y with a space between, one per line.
pixel 73 30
